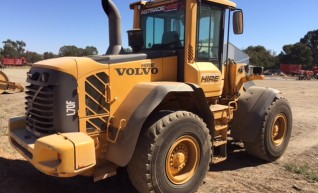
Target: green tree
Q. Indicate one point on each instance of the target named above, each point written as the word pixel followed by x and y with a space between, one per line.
pixel 260 56
pixel 75 51
pixel 311 41
pixel 32 57
pixel 127 50
pixel 297 53
pixel 90 50
pixel 9 49
pixel 69 51
pixel 1 56
pixel 13 49
pixel 20 45
pixel 49 55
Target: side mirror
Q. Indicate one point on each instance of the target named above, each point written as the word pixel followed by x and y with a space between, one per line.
pixel 238 23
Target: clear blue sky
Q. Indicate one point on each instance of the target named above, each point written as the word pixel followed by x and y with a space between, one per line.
pixel 48 25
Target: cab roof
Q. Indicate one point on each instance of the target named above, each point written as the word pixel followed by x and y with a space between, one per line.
pixel 222 2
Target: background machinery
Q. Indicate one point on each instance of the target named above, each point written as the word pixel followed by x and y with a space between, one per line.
pixel 163 112
pixel 6 85
pixel 13 61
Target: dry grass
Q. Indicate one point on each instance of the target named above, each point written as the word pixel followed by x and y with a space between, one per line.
pixel 310 172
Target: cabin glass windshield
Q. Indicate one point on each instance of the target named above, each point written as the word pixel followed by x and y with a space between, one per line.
pixel 163 26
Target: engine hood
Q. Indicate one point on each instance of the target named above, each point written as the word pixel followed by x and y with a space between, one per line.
pixel 75 66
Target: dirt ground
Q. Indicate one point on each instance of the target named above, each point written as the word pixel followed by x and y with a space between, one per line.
pixel 240 173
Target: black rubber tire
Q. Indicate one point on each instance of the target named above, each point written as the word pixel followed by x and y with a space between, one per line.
pixel 147 169
pixel 264 147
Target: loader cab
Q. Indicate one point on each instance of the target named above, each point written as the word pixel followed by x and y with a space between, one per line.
pixel 192 30
pixel 162 26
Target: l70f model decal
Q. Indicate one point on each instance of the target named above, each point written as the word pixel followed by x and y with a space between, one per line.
pixel 70 108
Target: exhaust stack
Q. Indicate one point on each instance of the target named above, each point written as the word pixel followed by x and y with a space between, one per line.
pixel 114 25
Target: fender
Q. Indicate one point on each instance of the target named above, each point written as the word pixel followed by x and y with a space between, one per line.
pixel 252 105
pixel 137 106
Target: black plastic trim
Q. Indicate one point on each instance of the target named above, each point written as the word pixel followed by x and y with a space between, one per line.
pixel 64 92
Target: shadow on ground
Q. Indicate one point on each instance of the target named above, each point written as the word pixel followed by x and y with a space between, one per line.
pixel 237 159
pixel 19 176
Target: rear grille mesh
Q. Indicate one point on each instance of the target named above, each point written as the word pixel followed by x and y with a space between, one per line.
pixel 39 108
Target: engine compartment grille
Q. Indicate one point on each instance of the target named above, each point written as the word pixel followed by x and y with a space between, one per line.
pixel 39 109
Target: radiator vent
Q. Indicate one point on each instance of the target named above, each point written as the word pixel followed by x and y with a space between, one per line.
pixel 39 109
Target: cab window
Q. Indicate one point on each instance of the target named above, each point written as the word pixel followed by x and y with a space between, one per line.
pixel 163 26
pixel 209 43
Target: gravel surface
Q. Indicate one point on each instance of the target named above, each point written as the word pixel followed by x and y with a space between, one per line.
pixel 239 173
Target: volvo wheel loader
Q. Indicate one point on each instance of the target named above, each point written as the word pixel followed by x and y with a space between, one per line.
pixel 163 112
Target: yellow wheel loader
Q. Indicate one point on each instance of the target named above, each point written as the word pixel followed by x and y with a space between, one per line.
pixel 163 112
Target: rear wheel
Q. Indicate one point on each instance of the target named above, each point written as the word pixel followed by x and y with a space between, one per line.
pixel 274 136
pixel 172 155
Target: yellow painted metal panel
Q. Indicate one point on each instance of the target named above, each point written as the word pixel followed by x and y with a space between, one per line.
pixel 54 155
pixel 84 149
pixel 169 68
pixel 224 2
pixel 65 64
pixel 124 76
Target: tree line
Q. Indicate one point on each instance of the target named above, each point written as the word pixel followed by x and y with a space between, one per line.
pixel 16 49
pixel 304 52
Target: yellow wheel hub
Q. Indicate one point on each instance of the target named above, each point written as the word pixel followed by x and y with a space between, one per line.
pixel 182 160
pixel 279 129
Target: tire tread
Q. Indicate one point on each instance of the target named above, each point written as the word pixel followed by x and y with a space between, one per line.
pixel 257 148
pixel 151 135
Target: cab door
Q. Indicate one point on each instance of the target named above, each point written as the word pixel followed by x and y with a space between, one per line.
pixel 206 45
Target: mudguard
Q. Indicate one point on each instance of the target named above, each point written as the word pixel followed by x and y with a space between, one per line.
pixel 140 102
pixel 252 105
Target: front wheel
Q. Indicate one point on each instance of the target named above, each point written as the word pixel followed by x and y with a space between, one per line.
pixel 275 133
pixel 172 155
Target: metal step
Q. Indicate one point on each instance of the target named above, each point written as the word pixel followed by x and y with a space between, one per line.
pixel 218 159
pixel 218 143
pixel 221 127
pixel 222 111
pixel 219 150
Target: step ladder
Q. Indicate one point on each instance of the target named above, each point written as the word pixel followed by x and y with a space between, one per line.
pixel 222 115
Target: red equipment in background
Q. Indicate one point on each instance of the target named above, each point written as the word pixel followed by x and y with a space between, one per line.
pixel 315 70
pixel 295 70
pixel 14 61
pixel 290 68
pixel 305 74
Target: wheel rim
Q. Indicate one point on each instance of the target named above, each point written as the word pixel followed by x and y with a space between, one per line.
pixel 182 160
pixel 279 129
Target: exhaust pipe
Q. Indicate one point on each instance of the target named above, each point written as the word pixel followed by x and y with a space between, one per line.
pixel 114 25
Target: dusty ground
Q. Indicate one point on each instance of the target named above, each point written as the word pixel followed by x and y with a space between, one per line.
pixel 240 173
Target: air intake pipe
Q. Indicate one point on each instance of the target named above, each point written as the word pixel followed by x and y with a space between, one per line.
pixel 114 25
